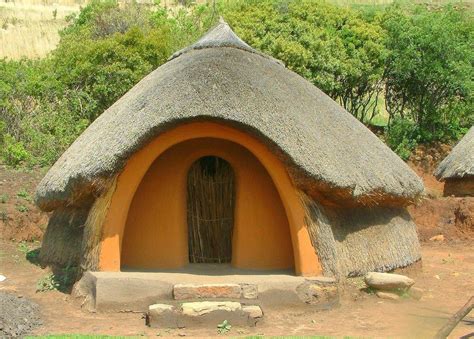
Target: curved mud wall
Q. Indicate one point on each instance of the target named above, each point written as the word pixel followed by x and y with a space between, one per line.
pixel 156 233
pixel 112 226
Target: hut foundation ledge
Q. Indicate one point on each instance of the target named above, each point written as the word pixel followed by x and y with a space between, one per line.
pixel 136 291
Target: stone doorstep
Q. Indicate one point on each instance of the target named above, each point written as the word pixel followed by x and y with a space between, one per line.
pixel 203 313
pixel 214 291
pixel 195 309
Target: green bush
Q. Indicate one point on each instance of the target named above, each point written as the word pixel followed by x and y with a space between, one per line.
pixel 47 283
pixel 13 152
pixel 429 74
pixel 106 49
pixel 333 47
pixel 401 137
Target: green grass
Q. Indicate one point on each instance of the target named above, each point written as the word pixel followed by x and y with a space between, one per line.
pixel 3 198
pixel 22 208
pixel 388 2
pixel 23 247
pixel 24 195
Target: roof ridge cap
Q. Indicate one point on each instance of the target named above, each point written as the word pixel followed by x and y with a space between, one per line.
pixel 219 36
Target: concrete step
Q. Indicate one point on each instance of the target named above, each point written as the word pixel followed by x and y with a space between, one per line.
pixel 208 313
pixel 214 291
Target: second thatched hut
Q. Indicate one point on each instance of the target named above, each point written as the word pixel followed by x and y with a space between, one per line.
pixel 457 169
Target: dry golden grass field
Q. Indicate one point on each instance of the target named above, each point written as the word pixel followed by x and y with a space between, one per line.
pixel 31 29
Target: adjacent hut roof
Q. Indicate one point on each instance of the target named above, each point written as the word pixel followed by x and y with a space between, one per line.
pixel 222 79
pixel 460 162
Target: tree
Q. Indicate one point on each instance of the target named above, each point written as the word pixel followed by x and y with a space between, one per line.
pixel 429 71
pixel 333 47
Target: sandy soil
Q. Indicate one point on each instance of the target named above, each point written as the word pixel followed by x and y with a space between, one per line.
pixel 447 276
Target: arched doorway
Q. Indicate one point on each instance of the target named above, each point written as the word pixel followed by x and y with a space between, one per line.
pixel 132 238
pixel 157 232
pixel 210 210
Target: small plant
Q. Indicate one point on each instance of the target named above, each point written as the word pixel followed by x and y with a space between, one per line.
pixel 24 195
pixel 23 247
pixel 224 327
pixel 22 208
pixel 358 282
pixel 404 294
pixel 3 216
pixel 33 256
pixel 47 283
pixel 3 198
pixel 55 13
pixel 68 276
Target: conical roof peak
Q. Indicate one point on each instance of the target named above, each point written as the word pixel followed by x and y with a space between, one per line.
pixel 219 36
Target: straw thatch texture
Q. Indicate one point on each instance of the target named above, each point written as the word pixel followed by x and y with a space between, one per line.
pixel 90 247
pixel 351 242
pixel 327 149
pixel 63 237
pixel 460 162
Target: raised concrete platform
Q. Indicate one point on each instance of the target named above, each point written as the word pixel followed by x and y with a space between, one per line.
pixel 135 291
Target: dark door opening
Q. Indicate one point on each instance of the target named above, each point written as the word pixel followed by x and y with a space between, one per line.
pixel 210 206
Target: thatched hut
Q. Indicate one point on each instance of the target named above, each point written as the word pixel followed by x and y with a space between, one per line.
pixel 457 169
pixel 223 155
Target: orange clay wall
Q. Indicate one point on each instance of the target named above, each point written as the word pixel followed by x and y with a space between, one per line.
pixel 172 249
pixel 156 233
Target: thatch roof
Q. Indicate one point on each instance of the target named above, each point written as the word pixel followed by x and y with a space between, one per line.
pixel 460 162
pixel 222 79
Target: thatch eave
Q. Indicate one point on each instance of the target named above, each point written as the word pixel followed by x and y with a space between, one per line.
pixel 328 153
pixel 459 163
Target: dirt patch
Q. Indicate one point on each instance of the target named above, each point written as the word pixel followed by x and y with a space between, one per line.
pixel 19 315
pixel 20 219
pixel 451 217
pixel 424 160
pixel 446 276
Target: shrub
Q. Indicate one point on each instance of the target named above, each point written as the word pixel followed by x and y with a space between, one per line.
pixel 429 74
pixel 333 47
pixel 13 152
pixel 46 104
pixel 47 283
pixel 401 137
